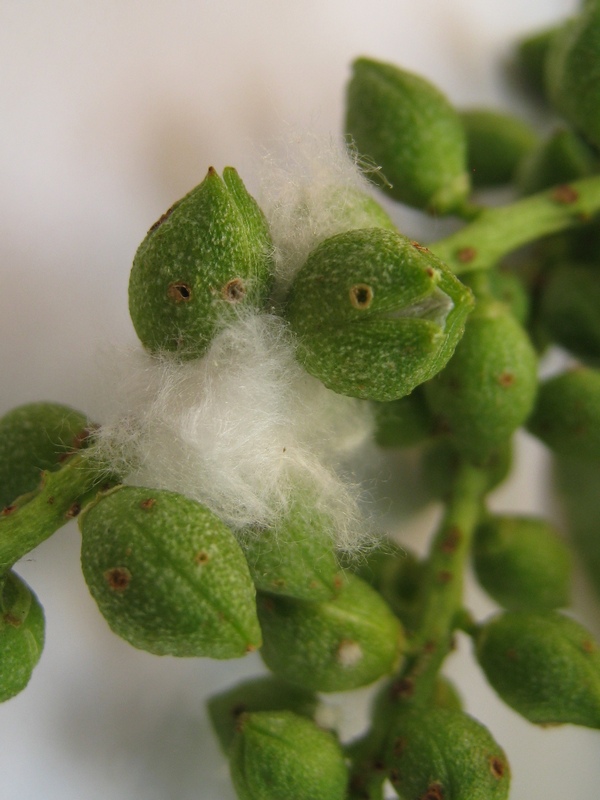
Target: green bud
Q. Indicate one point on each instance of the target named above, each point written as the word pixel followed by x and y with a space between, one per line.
pixel 545 666
pixel 531 56
pixel 21 635
pixel 408 127
pixel 278 754
pixel 570 309
pixel 573 72
pixel 204 260
pixel 567 413
pixel 509 289
pixel 295 557
pixel 261 694
pixel 522 563
pixel 168 575
pixel 403 422
pixel 560 158
pixel 577 482
pixel 488 389
pixel 496 143
pixel 334 646
pixel 33 438
pixel 442 754
pixel 375 314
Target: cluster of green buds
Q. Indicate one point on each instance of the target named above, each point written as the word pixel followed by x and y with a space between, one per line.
pixel 442 343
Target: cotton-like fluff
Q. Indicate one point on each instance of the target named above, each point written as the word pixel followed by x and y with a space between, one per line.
pixel 314 188
pixel 239 430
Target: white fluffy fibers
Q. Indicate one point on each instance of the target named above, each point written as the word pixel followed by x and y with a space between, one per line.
pixel 239 429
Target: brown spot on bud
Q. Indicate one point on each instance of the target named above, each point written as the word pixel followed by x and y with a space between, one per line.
pixel 361 296
pixel 399 746
pixel 497 767
pixel 466 254
pixel 435 791
pixel 73 511
pixel 506 379
pixel 588 646
pixel 234 290
pixel 179 292
pixel 50 501
pixel 118 578
pixel 444 576
pixel 402 688
pixel 162 218
pixel 564 194
pixel 147 503
pixel 423 249
pixel 8 510
pixel 338 582
pixel 250 648
pixel 15 622
pixel 201 558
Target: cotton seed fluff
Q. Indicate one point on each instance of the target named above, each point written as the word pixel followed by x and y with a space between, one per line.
pixel 244 428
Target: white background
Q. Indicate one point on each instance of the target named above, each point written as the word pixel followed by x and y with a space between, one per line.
pixel 109 111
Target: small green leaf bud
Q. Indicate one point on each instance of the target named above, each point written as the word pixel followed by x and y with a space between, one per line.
pixel 408 127
pixel 333 646
pixel 168 575
pixel 278 754
pixel 522 563
pixel 488 388
pixel 33 438
pixel 560 158
pixel 573 72
pixel 567 413
pixel 261 694
pixel 544 665
pixel 295 557
pixel 443 754
pixel 496 143
pixel 403 422
pixel 570 309
pixel 21 634
pixel 206 259
pixel 375 314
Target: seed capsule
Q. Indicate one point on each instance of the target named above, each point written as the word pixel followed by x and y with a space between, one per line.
pixel 206 259
pixel 443 754
pixel 488 388
pixel 567 413
pixel 168 576
pixel 340 644
pixel 522 563
pixel 278 754
pixel 21 635
pixel 375 314
pixel 545 666
pixel 408 127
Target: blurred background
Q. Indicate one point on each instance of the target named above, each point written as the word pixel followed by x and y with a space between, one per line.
pixel 108 113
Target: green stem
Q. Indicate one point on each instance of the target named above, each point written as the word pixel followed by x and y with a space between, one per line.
pixel 444 587
pixel 34 517
pixel 499 231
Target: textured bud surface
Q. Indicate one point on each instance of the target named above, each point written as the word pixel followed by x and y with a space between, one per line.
pixel 168 575
pixel 375 314
pixel 337 645
pixel 279 755
pixel 204 260
pixel 408 127
pixel 545 666
pixel 443 754
pixel 21 635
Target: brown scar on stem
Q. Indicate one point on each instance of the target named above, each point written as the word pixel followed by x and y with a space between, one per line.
pixel 435 791
pixel 564 194
pixel 466 254
pixel 8 510
pixel 451 540
pixel 73 510
pixel 402 688
pixel 118 578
